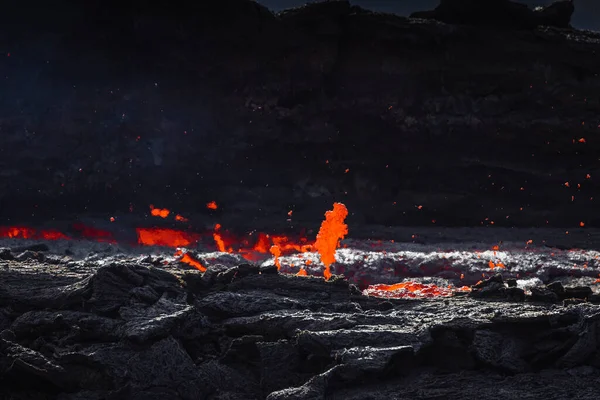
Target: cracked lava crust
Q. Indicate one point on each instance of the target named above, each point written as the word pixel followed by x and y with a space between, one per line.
pixel 92 318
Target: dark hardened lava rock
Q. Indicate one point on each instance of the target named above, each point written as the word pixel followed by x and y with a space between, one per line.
pixel 112 104
pixel 133 331
pixel 501 13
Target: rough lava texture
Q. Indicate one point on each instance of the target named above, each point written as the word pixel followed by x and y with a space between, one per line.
pixel 108 105
pixel 142 328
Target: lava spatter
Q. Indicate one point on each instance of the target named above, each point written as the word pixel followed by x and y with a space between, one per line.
pixel 333 229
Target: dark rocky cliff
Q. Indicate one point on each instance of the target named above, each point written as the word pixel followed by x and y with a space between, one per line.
pixel 105 107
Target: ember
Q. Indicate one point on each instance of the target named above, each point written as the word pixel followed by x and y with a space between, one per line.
pixel 159 212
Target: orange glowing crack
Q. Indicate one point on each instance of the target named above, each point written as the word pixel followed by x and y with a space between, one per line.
pixel 333 229
pixel 186 258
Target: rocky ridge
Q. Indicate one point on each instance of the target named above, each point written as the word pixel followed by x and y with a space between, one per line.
pixel 142 329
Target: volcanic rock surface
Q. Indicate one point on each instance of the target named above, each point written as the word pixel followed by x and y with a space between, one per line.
pixel 114 325
pixel 501 13
pixel 108 106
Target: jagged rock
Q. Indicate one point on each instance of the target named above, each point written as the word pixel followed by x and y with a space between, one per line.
pixel 37 247
pixel 492 287
pixel 30 255
pixel 556 14
pixel 511 282
pixel 570 302
pixel 514 294
pixel 129 330
pixel 6 254
pixel 503 13
pixel 556 287
pixel 543 294
pixel 578 292
pixel 495 350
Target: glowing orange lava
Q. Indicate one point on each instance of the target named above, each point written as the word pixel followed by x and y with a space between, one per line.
pixel 181 218
pixel 412 290
pixel 276 251
pixel 94 234
pixel 333 229
pixel 19 232
pixel 186 258
pixel 212 205
pixel 165 237
pixel 159 212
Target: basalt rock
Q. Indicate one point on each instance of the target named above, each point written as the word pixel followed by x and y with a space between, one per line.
pixel 500 13
pixel 130 330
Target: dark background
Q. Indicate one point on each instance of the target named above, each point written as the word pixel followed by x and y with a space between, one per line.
pixel 587 12
pixel 109 106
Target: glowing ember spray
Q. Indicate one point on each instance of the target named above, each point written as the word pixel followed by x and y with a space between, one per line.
pixel 333 229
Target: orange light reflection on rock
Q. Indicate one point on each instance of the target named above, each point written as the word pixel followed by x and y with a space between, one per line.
pixel 412 290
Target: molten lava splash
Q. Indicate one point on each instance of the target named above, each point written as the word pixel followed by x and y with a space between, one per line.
pixel 333 229
pixel 276 251
pixel 412 290
pixel 219 240
pixel 262 244
pixel 181 218
pixel 159 212
pixel 165 237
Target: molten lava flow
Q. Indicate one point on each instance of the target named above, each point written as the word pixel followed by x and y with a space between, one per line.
pixel 165 237
pixel 19 232
pixel 94 234
pixel 193 262
pixel 333 229
pixel 285 244
pixel 302 272
pixel 412 290
pixel 52 235
pixel 262 244
pixel 276 251
pixel 159 212
pixel 220 242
